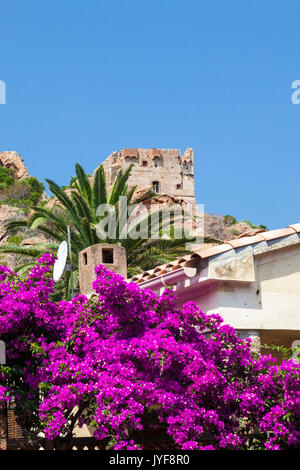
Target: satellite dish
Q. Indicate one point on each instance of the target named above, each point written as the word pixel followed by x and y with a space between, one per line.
pixel 60 263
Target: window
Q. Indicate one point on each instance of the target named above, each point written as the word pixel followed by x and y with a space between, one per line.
pixel 157 162
pixel 178 186
pixel 145 163
pixel 129 161
pixel 85 258
pixel 155 186
pixel 108 255
pixel 186 166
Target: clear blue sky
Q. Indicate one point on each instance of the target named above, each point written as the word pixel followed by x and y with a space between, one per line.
pixel 85 78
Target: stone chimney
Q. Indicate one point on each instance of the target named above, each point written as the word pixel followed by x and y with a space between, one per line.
pixel 111 256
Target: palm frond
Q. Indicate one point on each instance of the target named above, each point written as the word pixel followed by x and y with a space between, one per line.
pixel 65 201
pixel 99 188
pixel 118 189
pixel 84 184
pixel 13 225
pixel 13 248
pixel 111 197
pixel 83 209
pixel 23 269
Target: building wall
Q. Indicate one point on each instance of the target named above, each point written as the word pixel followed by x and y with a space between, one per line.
pixel 111 256
pixel 284 338
pixel 173 172
pixel 267 301
pixel 272 301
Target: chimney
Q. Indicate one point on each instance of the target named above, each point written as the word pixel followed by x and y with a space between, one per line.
pixel 111 256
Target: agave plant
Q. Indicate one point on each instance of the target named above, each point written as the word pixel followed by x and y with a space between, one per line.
pixel 78 209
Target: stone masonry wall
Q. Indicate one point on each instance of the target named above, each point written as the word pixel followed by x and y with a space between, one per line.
pixel 166 172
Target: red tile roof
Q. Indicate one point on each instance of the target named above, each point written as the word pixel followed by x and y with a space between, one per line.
pixel 259 237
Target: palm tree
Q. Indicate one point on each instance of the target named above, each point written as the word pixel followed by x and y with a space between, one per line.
pixel 78 209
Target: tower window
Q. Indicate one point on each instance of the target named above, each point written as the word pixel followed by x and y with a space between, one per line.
pixel 85 258
pixel 108 255
pixel 157 162
pixel 155 186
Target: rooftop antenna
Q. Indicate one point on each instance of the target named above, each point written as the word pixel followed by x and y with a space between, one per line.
pixel 70 266
pixel 2 353
pixel 60 265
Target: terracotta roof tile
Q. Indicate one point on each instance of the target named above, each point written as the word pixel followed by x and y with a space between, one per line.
pixel 156 153
pixel 260 236
pixel 296 227
pixel 239 242
pixel 182 260
pixel 194 255
pixel 214 250
pixel 282 232
pixel 252 233
pixel 158 268
pixel 175 267
pixel 130 153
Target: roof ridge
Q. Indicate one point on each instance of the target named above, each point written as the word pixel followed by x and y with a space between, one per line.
pixel 259 236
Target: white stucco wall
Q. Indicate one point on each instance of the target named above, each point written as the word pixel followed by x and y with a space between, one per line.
pixel 272 301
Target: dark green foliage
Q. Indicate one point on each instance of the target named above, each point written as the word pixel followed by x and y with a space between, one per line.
pixel 16 239
pixel 78 209
pixel 36 189
pixel 6 177
pixel 229 220
pixel 285 352
pixel 24 193
pixel 248 222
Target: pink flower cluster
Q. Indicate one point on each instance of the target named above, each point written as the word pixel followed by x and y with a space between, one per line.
pixel 131 360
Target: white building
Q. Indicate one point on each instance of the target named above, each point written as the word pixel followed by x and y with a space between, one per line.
pixel 252 282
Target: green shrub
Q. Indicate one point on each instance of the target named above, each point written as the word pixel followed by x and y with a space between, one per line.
pixel 16 239
pixel 24 194
pixel 229 220
pixel 36 189
pixel 248 222
pixel 6 177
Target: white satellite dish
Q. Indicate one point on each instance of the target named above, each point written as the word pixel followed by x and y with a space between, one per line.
pixel 60 263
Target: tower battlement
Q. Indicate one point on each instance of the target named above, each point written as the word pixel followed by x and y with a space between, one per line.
pixel 164 171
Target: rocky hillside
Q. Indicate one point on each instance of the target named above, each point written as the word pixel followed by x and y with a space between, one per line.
pixel 227 227
pixel 19 191
pixel 15 162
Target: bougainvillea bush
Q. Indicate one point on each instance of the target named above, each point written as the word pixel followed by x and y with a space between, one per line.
pixel 128 357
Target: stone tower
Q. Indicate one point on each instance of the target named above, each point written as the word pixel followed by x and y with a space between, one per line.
pixel 111 256
pixel 165 172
